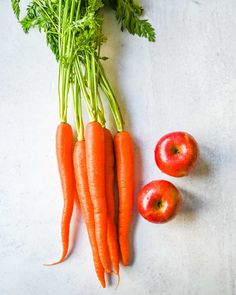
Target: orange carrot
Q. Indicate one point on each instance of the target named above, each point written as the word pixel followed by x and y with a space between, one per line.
pixel 124 152
pixel 64 151
pixel 86 205
pixel 95 154
pixel 110 198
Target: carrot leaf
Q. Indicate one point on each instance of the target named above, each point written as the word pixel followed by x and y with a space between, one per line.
pixel 16 7
pixel 128 15
pixel 42 18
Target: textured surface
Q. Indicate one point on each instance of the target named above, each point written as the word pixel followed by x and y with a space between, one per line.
pixel 185 81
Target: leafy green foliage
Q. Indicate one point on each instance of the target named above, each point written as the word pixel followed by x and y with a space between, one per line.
pixel 89 35
pixel 127 14
pixel 95 5
pixel 39 16
pixel 52 42
pixel 16 7
pixel 86 26
pixel 32 18
pixel 73 30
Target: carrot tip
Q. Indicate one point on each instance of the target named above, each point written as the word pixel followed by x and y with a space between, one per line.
pixel 118 282
pixel 125 261
pixel 54 263
pixel 103 284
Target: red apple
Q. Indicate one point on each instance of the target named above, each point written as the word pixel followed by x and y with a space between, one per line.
pixel 176 153
pixel 158 201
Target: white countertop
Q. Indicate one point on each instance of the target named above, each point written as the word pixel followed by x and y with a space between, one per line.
pixel 185 81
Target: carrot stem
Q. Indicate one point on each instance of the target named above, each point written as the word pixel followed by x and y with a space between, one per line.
pixel 109 93
pixel 86 97
pixel 76 97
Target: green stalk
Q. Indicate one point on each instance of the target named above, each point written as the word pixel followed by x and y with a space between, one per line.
pixel 59 94
pixel 82 85
pixel 94 81
pixel 66 52
pixel 90 82
pixel 97 94
pixel 78 110
pixel 100 113
pixel 59 66
pixel 40 4
pixel 109 93
pixel 62 67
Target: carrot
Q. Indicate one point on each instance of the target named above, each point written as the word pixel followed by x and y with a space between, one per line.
pixel 95 154
pixel 110 198
pixel 124 152
pixel 86 205
pixel 64 151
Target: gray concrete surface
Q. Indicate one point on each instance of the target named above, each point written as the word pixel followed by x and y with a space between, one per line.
pixel 185 81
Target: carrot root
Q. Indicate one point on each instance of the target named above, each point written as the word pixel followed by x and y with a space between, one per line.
pixel 110 198
pixel 95 155
pixel 124 152
pixel 86 204
pixel 64 152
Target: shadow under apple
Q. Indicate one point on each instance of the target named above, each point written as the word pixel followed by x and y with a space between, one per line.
pixel 191 205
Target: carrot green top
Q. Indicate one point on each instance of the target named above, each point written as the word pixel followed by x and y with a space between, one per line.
pixel 73 30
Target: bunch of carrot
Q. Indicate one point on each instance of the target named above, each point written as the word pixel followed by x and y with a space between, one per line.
pixel 88 169
pixel 94 174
